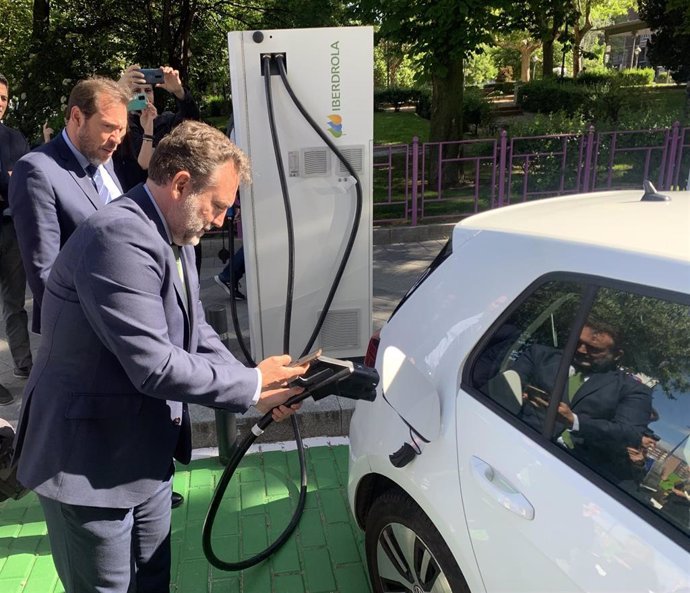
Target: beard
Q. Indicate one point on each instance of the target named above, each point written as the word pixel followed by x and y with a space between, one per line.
pixel 587 365
pixel 92 150
pixel 193 225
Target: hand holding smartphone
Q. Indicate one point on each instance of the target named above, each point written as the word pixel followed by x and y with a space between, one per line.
pixel 306 359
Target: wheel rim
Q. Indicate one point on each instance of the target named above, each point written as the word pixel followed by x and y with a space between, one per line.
pixel 406 564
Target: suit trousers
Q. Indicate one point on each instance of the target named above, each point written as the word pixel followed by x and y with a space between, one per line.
pixel 13 294
pixel 108 550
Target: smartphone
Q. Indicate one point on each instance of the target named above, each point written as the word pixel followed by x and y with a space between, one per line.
pixel 152 75
pixel 305 359
pixel 137 103
pixel 535 392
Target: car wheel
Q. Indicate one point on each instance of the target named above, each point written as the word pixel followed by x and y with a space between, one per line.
pixel 405 552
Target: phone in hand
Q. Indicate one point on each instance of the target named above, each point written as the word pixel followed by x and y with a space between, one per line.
pixel 138 102
pixel 305 359
pixel 153 75
pixel 536 393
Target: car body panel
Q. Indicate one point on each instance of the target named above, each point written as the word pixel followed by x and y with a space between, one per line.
pixel 581 537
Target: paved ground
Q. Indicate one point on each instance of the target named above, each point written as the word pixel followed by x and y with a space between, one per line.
pixel 324 555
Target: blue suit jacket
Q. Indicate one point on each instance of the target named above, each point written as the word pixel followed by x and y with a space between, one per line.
pixel 13 146
pixel 103 411
pixel 50 195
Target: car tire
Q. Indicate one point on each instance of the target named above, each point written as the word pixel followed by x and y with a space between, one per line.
pixel 405 552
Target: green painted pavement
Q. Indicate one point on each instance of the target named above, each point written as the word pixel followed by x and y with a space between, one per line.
pixel 324 555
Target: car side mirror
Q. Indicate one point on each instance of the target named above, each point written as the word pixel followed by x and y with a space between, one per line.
pixel 411 394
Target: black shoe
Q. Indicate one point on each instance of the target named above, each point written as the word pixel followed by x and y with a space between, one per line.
pixel 177 500
pixel 239 296
pixel 22 372
pixel 5 396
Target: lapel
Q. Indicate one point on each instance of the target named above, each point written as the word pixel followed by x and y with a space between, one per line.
pixel 596 383
pixel 139 195
pixel 72 166
pixel 4 147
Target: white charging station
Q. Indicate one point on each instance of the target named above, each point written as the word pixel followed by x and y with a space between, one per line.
pixel 331 72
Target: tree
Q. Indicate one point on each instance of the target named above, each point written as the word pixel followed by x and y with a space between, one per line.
pixel 670 43
pixel 522 42
pixel 443 34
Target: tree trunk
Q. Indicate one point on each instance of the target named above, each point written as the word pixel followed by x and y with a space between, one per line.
pixel 446 117
pixel 547 66
pixel 41 21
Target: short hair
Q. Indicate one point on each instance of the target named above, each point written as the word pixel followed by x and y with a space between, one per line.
pixel 599 326
pixel 86 92
pixel 199 149
pixel 3 80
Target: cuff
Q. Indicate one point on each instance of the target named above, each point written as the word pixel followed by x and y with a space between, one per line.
pixel 257 393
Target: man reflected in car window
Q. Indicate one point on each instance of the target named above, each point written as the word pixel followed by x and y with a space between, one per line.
pixel 603 409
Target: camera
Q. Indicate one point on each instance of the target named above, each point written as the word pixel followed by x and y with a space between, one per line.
pixel 153 75
pixel 137 103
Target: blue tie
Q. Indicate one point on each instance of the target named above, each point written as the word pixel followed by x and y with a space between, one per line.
pixel 97 180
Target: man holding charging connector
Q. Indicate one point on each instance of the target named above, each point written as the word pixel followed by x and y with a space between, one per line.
pixel 125 349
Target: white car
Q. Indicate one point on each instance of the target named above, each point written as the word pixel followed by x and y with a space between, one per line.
pixel 531 427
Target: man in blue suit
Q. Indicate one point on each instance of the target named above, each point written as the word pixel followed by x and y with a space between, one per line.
pixel 125 347
pixel 59 185
pixel 13 146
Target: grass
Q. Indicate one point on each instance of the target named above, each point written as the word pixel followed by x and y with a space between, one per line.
pixel 399 128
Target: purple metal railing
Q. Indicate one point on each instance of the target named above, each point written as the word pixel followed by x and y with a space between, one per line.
pixel 423 181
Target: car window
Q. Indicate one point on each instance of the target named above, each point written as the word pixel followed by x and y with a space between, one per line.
pixel 612 389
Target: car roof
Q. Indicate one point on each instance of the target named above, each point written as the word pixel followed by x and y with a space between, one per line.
pixel 612 219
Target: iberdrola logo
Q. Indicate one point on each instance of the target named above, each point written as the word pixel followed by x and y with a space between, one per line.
pixel 335 125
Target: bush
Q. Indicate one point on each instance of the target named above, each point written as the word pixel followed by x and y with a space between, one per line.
pixel 395 96
pixel 637 76
pixel 589 77
pixel 424 104
pixel 476 110
pixel 215 106
pixel 551 95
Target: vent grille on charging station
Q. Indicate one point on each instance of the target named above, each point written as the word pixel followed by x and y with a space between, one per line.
pixel 316 161
pixel 353 155
pixel 340 330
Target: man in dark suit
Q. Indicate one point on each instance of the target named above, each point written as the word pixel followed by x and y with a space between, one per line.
pixel 604 410
pixel 13 146
pixel 59 185
pixel 125 347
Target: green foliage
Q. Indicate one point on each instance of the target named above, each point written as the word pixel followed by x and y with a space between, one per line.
pixel 670 43
pixel 396 97
pixel 637 76
pixel 476 110
pixel 551 95
pixel 399 128
pixel 424 104
pixel 215 106
pixel 480 67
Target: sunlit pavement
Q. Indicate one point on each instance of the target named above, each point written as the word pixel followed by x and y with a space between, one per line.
pixel 324 554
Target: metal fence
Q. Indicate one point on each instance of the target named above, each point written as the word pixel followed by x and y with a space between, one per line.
pixel 424 181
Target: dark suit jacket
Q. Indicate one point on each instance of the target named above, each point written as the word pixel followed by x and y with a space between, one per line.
pixel 50 195
pixel 13 146
pixel 101 418
pixel 612 407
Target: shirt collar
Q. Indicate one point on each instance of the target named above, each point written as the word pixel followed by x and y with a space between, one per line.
pixel 160 214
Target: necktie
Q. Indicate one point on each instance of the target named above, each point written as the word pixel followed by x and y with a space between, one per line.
pixel 574 383
pixel 180 271
pixel 97 180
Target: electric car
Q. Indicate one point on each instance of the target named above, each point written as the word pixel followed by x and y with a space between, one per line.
pixel 531 427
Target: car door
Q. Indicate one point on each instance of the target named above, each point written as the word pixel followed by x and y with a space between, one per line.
pixel 595 506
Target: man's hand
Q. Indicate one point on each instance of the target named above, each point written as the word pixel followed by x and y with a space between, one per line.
pixel 566 414
pixel 276 374
pixel 131 79
pixel 47 132
pixel 171 82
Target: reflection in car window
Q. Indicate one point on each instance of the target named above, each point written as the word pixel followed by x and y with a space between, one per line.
pixel 624 409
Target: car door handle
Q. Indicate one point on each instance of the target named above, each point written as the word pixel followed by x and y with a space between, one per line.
pixel 500 489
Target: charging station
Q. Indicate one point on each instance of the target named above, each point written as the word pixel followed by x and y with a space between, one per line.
pixel 330 70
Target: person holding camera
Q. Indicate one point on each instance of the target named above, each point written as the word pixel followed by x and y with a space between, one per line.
pixel 142 82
